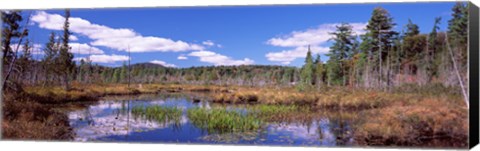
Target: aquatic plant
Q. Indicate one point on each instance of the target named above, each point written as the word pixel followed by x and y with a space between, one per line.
pixel 157 113
pixel 271 112
pixel 221 120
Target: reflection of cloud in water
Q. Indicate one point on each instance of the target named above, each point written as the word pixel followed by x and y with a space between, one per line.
pixel 307 132
pixel 102 120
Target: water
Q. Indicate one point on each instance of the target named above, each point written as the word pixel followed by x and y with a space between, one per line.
pixel 111 120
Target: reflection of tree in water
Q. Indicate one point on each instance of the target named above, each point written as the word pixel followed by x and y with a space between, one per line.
pixel 341 130
pixel 89 117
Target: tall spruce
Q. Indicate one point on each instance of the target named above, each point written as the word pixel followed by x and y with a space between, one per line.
pixel 340 54
pixel 25 61
pixel 412 29
pixel 319 71
pixel 380 40
pixel 457 40
pixel 49 59
pixel 11 31
pixel 65 57
pixel 306 75
pixel 123 73
pixel 433 46
pixel 458 35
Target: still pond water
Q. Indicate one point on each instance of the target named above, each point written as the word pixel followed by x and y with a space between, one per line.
pixel 111 120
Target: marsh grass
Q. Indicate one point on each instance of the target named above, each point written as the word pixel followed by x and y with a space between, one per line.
pixel 26 119
pixel 430 122
pixel 221 120
pixel 159 114
pixel 240 119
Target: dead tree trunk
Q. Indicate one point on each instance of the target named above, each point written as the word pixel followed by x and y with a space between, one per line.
pixel 10 68
pixel 464 92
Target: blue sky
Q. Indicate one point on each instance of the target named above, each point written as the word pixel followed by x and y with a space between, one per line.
pixel 203 36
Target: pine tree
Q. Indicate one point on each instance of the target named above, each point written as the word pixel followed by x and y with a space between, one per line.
pixel 458 48
pixel 306 75
pixel 24 62
pixel 116 75
pixel 380 40
pixel 458 35
pixel 123 73
pixel 412 29
pixel 81 73
pixel 65 57
pixel 344 45
pixel 433 46
pixel 49 60
pixel 11 30
pixel 319 71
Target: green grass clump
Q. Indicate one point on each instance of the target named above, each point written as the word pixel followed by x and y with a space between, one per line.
pixel 266 111
pixel 221 120
pixel 160 114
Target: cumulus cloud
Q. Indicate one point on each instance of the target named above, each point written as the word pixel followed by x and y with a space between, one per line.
pixel 163 63
pixel 182 57
pixel 80 48
pixel 114 38
pixel 104 58
pixel 210 43
pixel 314 36
pixel 36 48
pixel 297 42
pixel 287 56
pixel 218 59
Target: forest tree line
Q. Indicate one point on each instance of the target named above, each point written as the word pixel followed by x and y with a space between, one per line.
pixel 381 58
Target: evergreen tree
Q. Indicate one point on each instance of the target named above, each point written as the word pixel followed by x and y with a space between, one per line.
pixel 11 30
pixel 306 75
pixel 458 34
pixel 116 76
pixel 81 73
pixel 433 46
pixel 50 58
pixel 123 73
pixel 65 57
pixel 319 71
pixel 24 62
pixel 340 53
pixel 412 29
pixel 380 40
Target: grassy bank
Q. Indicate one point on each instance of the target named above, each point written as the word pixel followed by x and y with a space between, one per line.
pixel 25 118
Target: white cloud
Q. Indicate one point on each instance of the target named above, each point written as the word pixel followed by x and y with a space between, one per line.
pixel 182 57
pixel 313 36
pixel 36 48
pixel 163 63
pixel 208 43
pixel 115 38
pixel 73 38
pixel 218 59
pixel 79 48
pixel 299 40
pixel 287 56
pixel 104 58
